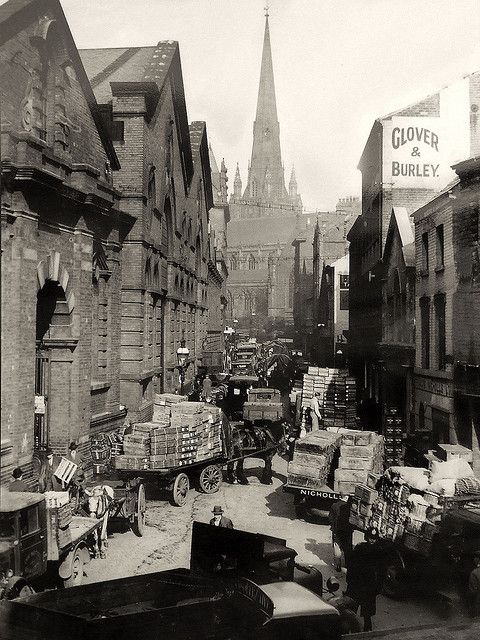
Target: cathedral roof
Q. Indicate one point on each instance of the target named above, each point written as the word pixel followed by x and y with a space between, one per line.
pixel 246 232
pixel 248 276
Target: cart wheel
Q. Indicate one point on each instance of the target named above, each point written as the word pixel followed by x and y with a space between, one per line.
pixel 77 571
pixel 180 489
pixel 138 525
pixel 210 478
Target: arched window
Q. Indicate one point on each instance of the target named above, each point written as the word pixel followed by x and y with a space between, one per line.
pixel 168 214
pixel 233 262
pixel 198 256
pixel 148 273
pixel 151 196
pixel 156 276
pixel 252 263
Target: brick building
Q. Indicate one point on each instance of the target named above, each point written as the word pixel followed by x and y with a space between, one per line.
pixel 165 181
pixel 447 380
pixel 213 353
pixel 466 305
pixel 397 348
pixel 62 235
pixel 406 161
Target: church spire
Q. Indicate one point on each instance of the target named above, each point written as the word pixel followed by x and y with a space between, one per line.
pixel 237 184
pixel 265 178
pixel 292 185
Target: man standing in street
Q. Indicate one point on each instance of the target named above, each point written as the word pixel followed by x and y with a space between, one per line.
pixel 18 483
pixel 75 457
pixel 219 520
pixel 48 481
pixel 342 532
pixel 316 413
pixel 363 577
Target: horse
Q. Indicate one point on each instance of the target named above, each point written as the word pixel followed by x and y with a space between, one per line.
pixel 99 500
pixel 257 441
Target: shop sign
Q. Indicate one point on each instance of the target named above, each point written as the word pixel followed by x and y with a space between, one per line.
pixel 437 387
pixel 413 152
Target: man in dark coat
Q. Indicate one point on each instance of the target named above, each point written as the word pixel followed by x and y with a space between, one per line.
pixel 18 483
pixel 342 532
pixel 75 457
pixel 363 577
pixel 48 481
pixel 219 520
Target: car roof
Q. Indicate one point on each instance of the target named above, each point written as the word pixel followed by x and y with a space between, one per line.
pixel 291 600
pixel 11 501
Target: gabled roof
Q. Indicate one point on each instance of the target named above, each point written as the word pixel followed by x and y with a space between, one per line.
pixel 401 223
pixel 109 69
pixel 201 157
pixel 16 14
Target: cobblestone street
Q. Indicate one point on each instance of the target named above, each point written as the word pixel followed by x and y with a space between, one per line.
pixel 257 508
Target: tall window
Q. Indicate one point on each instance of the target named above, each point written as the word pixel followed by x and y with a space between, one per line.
pixel 425 332
pixel 343 278
pixel 440 332
pixel 425 263
pixel 251 262
pixel 440 246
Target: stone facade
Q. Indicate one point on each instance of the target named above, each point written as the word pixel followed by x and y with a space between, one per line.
pixel 62 235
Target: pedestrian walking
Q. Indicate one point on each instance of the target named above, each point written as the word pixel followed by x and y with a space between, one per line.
pixel 315 412
pixel 474 586
pixel 363 577
pixel 18 483
pixel 342 532
pixel 219 520
pixel 207 388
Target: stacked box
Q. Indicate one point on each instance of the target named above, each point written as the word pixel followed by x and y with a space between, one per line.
pixel 312 459
pixel 137 444
pixel 394 428
pixel 337 395
pixel 397 514
pixel 361 454
pixel 162 404
pixel 132 462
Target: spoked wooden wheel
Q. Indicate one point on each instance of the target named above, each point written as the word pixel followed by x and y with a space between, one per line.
pixel 210 478
pixel 180 489
pixel 140 508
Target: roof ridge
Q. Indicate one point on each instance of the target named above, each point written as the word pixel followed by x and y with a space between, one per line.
pixel 113 66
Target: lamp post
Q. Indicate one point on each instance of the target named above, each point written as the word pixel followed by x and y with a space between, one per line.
pixel 182 356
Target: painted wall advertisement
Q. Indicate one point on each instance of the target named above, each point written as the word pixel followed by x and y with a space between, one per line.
pixel 414 152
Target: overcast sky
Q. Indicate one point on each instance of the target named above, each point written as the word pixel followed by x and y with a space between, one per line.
pixel 338 65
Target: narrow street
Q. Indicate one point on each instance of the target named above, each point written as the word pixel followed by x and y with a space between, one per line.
pixel 257 508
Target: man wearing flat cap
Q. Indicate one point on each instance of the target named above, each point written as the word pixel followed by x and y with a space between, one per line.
pixel 219 520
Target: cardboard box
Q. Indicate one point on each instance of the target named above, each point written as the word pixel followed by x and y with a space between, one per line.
pixel 366 494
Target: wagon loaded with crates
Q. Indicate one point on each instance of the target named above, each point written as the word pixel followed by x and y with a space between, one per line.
pixel 184 443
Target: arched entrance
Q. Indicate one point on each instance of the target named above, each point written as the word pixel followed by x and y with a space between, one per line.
pixel 53 327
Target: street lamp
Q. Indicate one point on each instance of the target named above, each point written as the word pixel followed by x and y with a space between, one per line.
pixel 182 356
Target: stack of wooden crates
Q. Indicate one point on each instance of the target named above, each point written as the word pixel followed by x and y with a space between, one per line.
pixel 361 453
pixel 312 459
pixel 180 434
pixel 336 393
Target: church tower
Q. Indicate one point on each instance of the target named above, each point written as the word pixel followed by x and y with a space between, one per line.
pixel 265 218
pixel 266 180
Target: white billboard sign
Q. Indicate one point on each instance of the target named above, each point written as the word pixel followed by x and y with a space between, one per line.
pixel 414 152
